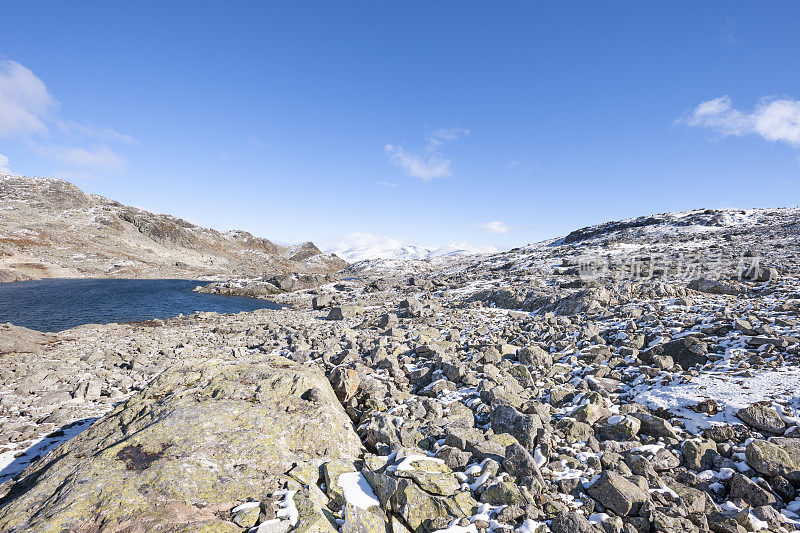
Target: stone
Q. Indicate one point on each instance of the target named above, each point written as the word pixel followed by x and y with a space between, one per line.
pixel 571 522
pixel 618 494
pixel 520 463
pixel 590 413
pixel 698 454
pixel 760 273
pixel 345 382
pixel 503 493
pixel 762 418
pixel 745 488
pixel 618 427
pixel 687 351
pixel 525 428
pixel 344 311
pixel 362 520
pixel 535 356
pixel 772 460
pixel 321 301
pixel 170 470
pixel 16 339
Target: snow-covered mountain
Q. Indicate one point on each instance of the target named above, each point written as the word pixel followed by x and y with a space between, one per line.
pixel 364 246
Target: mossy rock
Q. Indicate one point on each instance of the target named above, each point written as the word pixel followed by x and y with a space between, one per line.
pixel 204 436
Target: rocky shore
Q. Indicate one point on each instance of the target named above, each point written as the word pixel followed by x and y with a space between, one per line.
pixel 632 377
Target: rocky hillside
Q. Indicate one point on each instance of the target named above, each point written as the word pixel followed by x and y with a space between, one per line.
pixel 50 228
pixel 636 376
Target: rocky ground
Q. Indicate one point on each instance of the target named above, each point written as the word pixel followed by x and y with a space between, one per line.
pixel 631 377
pixel 51 229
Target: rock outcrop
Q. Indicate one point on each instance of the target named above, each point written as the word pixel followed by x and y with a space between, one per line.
pixel 203 437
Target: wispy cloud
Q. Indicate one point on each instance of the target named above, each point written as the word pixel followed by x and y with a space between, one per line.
pixel 416 165
pixel 98 158
pixel 442 135
pixel 4 165
pixel 386 183
pixel 109 134
pixel 429 164
pixel 28 113
pixel 497 227
pixel 773 119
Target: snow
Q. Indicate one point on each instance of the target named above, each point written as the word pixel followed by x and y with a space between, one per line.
pixel 529 526
pixel 368 246
pixel 245 506
pixel 11 466
pixel 357 491
pixel 731 393
pixel 597 518
pixel 405 464
pixel 287 508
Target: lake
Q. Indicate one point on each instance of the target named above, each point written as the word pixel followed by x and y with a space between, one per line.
pixel 56 304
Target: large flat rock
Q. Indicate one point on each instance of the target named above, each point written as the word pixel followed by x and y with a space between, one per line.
pixel 202 437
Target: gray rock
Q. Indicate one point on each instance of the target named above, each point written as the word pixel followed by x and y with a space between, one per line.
pixel 201 437
pixel 521 464
pixel 686 351
pixel 698 454
pixel 763 418
pixel 618 494
pixel 745 488
pixel 571 522
pixel 345 311
pixel 773 460
pixel 525 428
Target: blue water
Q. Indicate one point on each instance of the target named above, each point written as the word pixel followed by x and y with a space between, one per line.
pixel 56 304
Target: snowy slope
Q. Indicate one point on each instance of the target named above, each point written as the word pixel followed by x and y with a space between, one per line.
pixel 397 250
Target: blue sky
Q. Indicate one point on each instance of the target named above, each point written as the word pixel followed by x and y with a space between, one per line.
pixel 493 123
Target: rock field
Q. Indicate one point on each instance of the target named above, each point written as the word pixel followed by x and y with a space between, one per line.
pixel 630 377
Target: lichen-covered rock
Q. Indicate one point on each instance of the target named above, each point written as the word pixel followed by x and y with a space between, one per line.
pixel 698 454
pixel 763 418
pixel 204 436
pixel 526 428
pixel 617 493
pixel 771 459
pixel 421 490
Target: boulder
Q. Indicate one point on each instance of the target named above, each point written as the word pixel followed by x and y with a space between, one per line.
pixel 321 301
pixel 527 429
pixel 618 494
pixel 771 459
pixel 203 436
pixel 345 311
pixel 686 351
pixel 762 418
pixel 760 273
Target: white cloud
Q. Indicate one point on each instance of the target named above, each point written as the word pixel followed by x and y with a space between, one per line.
pixel 386 183
pixel 432 163
pixel 4 165
pixel 774 119
pixel 442 135
pixel 496 227
pixel 71 127
pixel 416 165
pixel 25 103
pixel 99 158
pixel 27 110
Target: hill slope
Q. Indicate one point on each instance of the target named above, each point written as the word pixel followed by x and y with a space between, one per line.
pixel 50 228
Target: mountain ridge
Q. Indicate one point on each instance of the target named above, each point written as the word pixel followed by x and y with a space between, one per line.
pixel 51 228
